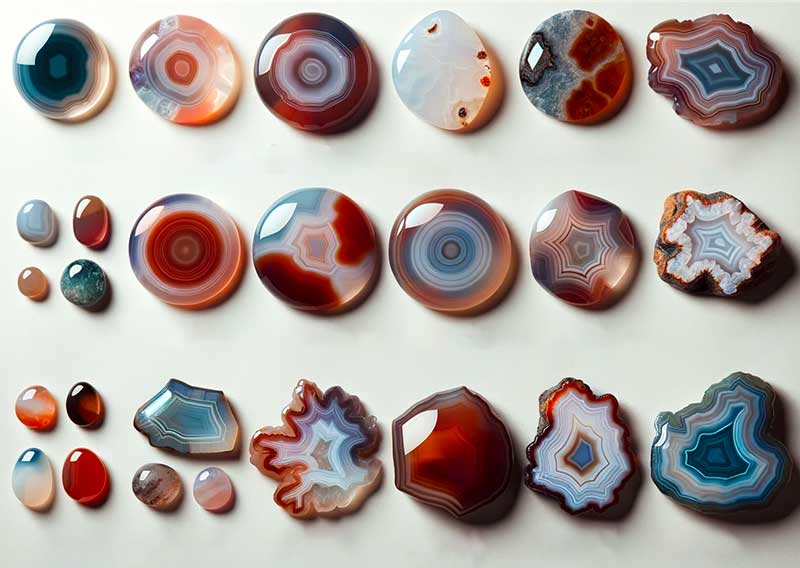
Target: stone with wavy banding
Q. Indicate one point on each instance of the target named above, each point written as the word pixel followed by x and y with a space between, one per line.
pixel 37 224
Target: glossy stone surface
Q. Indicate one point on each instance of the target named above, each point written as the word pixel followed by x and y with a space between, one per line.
pixel 189 420
pixel 716 70
pixel 583 249
pixel 185 70
pixel 32 480
pixel 85 284
pixel 451 252
pixel 85 478
pixel 85 406
pixel 187 251
pixel 316 250
pixel 91 222
pixel 444 74
pixel 33 284
pixel 582 454
pixel 213 490
pixel 323 455
pixel 453 452
pixel 314 72
pixel 36 223
pixel 720 456
pixel 713 244
pixel 158 486
pixel 36 408
pixel 575 68
pixel 62 69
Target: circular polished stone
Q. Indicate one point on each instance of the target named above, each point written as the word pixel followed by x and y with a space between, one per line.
pixel 85 477
pixel 91 222
pixel 187 251
pixel 32 480
pixel 316 250
pixel 85 406
pixel 36 223
pixel 213 490
pixel 84 284
pixel 158 486
pixel 62 69
pixel 36 408
pixel 451 252
pixel 315 73
pixel 185 70
pixel 32 283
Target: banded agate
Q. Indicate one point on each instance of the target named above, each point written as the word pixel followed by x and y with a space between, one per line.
pixel 323 455
pixel 716 70
pixel 713 244
pixel 719 456
pixel 37 224
pixel 582 454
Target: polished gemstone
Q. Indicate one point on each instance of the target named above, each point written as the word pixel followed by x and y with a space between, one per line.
pixel 323 455
pixel 575 68
pixel 444 74
pixel 185 70
pixel 316 250
pixel 85 478
pixel 583 249
pixel 451 252
pixel 453 452
pixel 32 480
pixel 62 69
pixel 315 73
pixel 36 223
pixel 36 408
pixel 85 284
pixel 189 420
pixel 719 456
pixel 158 486
pixel 716 70
pixel 582 454
pixel 32 284
pixel 91 223
pixel 85 406
pixel 713 244
pixel 213 490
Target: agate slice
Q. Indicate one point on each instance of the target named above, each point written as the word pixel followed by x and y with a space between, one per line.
pixel 582 454
pixel 62 69
pixel 91 222
pixel 314 72
pixel 36 408
pixel 85 406
pixel 36 223
pixel 720 456
pixel 84 284
pixel 443 73
pixel 575 68
pixel 323 455
pixel 158 486
pixel 316 250
pixel 189 420
pixel 713 244
pixel 213 490
pixel 583 250
pixel 85 478
pixel 716 70
pixel 33 284
pixel 187 251
pixel 451 252
pixel 453 452
pixel 32 480
pixel 185 70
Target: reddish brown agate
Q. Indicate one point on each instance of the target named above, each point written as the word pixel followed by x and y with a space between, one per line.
pixel 85 406
pixel 85 478
pixel 91 222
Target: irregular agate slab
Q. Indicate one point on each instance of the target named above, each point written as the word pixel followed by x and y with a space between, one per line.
pixel 84 284
pixel 315 73
pixel 158 486
pixel 443 73
pixel 583 249
pixel 36 223
pixel 453 452
pixel 91 222
pixel 451 252
pixel 716 70
pixel 85 478
pixel 575 68
pixel 85 405
pixel 712 244
pixel 185 70
pixel 323 455
pixel 316 250
pixel 62 69
pixel 582 454
pixel 213 490
pixel 189 420
pixel 36 408
pixel 33 284
pixel 719 456
pixel 32 480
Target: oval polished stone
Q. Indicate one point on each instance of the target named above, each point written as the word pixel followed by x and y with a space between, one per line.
pixel 316 250
pixel 85 477
pixel 62 69
pixel 85 406
pixel 37 224
pixel 33 284
pixel 185 70
pixel 32 480
pixel 91 222
pixel 314 72
pixel 213 490
pixel 158 486
pixel 36 408
pixel 84 284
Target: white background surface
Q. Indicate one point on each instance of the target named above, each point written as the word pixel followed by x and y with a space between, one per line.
pixel 657 350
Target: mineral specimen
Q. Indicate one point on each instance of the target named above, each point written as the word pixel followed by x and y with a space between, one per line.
pixel 85 406
pixel 84 284
pixel 32 480
pixel 91 222
pixel 213 490
pixel 36 408
pixel 85 478
pixel 36 223
pixel 32 283
pixel 158 486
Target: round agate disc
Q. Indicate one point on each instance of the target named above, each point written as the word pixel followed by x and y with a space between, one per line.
pixel 315 73
pixel 62 69
pixel 187 251
pixel 316 250
pixel 185 70
pixel 451 252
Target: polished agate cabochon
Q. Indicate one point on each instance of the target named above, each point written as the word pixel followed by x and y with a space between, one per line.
pixel 315 73
pixel 91 222
pixel 187 251
pixel 85 406
pixel 158 486
pixel 84 284
pixel 36 223
pixel 451 252
pixel 62 69
pixel 33 284
pixel 36 408
pixel 316 250
pixel 32 480
pixel 85 477
pixel 185 70
pixel 213 490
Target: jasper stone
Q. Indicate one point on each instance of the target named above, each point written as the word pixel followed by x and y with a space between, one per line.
pixel 32 480
pixel 85 478
pixel 158 486
pixel 213 490
pixel 33 284
pixel 85 406
pixel 36 223
pixel 84 284
pixel 91 222
pixel 36 408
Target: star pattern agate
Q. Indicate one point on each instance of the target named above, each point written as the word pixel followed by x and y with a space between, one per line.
pixel 716 70
pixel 323 455
pixel 719 456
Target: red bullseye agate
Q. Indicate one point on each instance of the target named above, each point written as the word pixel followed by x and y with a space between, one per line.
pixel 85 478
